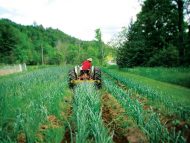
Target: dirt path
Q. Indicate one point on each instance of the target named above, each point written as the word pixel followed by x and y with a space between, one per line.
pixel 67 106
pixel 114 117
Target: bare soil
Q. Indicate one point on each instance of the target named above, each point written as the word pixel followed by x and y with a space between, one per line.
pixel 67 115
pixel 116 120
pixel 6 72
pixel 21 138
pixel 172 122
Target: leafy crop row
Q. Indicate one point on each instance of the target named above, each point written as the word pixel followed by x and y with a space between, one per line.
pixel 148 121
pixel 87 115
pixel 27 100
pixel 179 109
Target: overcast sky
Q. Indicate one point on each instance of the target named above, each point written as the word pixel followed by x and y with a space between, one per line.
pixel 78 18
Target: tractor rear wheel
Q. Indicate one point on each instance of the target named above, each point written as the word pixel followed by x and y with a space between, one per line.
pixel 72 76
pixel 97 77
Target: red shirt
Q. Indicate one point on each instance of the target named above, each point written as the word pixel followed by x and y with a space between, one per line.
pixel 86 65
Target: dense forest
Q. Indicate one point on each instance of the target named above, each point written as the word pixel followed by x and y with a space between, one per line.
pixel 159 37
pixel 38 45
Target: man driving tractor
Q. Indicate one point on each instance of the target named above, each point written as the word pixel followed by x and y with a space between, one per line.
pixel 86 66
pixel 85 73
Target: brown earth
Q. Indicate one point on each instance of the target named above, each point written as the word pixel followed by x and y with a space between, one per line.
pixel 67 136
pixel 172 122
pixel 67 115
pixel 116 120
pixel 21 138
pixel 6 72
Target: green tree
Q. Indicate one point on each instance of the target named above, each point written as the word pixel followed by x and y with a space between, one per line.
pixel 20 43
pixel 180 7
pixel 98 37
pixel 154 31
pixel 8 42
pixel 62 49
pixel 132 53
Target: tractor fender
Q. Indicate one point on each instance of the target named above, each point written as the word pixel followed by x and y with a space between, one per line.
pixel 92 71
pixel 77 70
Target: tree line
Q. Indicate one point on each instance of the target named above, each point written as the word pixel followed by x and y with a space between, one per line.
pixel 35 44
pixel 159 37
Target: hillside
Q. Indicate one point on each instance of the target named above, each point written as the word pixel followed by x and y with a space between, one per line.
pixel 35 44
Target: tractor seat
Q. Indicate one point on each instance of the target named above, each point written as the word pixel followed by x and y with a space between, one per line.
pixel 84 71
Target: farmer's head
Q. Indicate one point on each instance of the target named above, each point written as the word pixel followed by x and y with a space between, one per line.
pixel 89 59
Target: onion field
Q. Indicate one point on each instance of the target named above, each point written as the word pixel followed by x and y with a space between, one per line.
pixel 38 106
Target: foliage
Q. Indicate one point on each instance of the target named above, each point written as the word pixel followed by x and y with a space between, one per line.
pixel 153 39
pixel 98 37
pixel 38 45
pixel 169 56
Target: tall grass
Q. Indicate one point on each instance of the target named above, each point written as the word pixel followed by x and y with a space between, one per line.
pixel 178 76
pixel 87 113
pixel 26 101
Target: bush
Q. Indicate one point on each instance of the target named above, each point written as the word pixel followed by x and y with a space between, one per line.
pixel 167 57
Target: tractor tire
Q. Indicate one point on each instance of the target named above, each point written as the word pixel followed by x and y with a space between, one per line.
pixel 72 76
pixel 97 76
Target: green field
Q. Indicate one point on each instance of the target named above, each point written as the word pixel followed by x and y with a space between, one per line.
pixel 178 76
pixel 38 106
